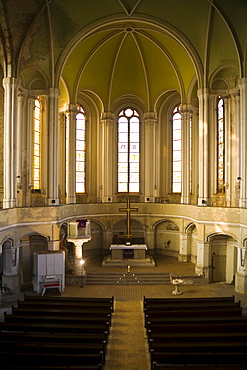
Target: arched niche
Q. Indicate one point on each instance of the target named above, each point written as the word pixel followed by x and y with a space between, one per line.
pixel 222 257
pixel 120 230
pixel 167 238
pixel 29 245
pixel 191 232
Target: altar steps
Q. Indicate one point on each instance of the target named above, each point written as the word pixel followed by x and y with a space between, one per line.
pixel 94 278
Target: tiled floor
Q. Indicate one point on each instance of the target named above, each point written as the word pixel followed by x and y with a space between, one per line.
pixel 127 348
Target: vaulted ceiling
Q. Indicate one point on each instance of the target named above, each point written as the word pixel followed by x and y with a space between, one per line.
pixel 115 48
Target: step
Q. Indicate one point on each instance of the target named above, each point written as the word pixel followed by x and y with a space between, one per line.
pixel 127 279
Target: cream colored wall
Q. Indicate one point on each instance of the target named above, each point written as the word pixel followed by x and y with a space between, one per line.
pixel 19 222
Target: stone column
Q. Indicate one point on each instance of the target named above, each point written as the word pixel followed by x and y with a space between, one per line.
pixel 11 275
pixel 183 248
pixel 108 143
pixel 53 147
pixel 203 153
pixel 150 182
pixel 20 137
pixel 227 152
pixel 54 245
pixel 243 143
pixel 71 154
pixel 241 275
pixel 236 151
pixel 203 259
pixel 10 109
pixel 149 237
pixel 186 160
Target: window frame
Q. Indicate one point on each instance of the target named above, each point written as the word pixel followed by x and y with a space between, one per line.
pixel 176 112
pixel 37 132
pixel 135 114
pixel 81 110
pixel 220 120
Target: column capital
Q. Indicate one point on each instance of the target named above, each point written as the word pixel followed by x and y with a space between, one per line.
pixel 150 118
pixel 107 117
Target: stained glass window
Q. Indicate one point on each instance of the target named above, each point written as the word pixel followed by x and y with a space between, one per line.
pixel 37 143
pixel 176 151
pixel 128 151
pixel 80 150
pixel 220 145
pixel 191 145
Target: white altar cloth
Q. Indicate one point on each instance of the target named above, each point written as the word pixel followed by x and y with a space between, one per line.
pixel 132 246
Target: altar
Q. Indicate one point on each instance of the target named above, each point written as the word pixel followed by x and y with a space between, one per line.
pixel 128 251
pixel 134 255
pixel 128 254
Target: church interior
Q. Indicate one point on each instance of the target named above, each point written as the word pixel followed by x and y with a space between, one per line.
pixel 123 146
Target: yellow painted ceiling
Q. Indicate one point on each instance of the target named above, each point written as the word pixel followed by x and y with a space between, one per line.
pixel 112 48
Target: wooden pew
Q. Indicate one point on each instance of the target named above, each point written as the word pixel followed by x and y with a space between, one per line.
pixel 55 348
pixel 86 302
pixel 189 300
pixel 54 327
pixel 194 319
pixel 157 366
pixel 195 306
pixel 197 337
pixel 163 316
pixel 40 337
pixel 202 327
pixel 205 358
pixel 66 312
pixel 59 305
pixel 47 367
pixel 209 346
pixel 65 319
pixel 60 360
pixel 64 337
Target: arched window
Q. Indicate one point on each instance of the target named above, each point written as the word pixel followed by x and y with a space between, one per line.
pixel 176 151
pixel 37 124
pixel 220 145
pixel 80 150
pixel 128 151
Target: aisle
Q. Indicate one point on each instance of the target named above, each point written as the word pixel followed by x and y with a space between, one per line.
pixel 127 347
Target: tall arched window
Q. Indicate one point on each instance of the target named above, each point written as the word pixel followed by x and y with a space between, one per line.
pixel 176 151
pixel 80 150
pixel 37 117
pixel 128 151
pixel 220 145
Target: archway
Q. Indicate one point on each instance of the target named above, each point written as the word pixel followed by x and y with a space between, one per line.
pixel 223 258
pixel 191 232
pixel 29 245
pixel 137 232
pixel 167 238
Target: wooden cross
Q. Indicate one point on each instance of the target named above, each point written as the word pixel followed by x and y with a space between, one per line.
pixel 128 210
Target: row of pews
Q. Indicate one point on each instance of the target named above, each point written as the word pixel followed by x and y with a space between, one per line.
pixel 196 333
pixel 56 333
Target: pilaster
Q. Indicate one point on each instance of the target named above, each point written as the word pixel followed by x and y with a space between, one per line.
pixel 71 154
pixel 11 275
pixel 203 259
pixel 53 147
pixel 243 143
pixel 10 109
pixel 203 193
pixel 183 248
pixel 241 274
pixel 186 160
pixel 107 125
pixel 150 122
